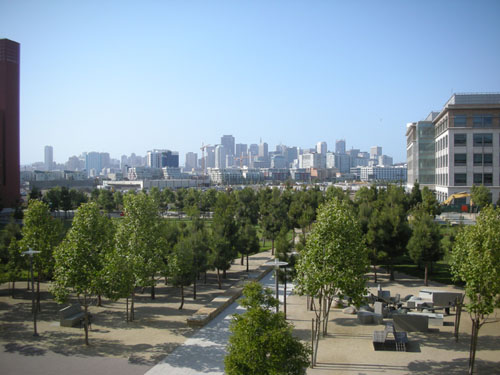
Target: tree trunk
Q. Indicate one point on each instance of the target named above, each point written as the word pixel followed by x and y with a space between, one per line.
pixel 182 298
pixel 218 279
pixel 426 280
pixel 86 320
pixel 247 263
pixel 224 274
pixel 38 306
pixel 99 300
pixel 242 258
pixel 475 333
pixel 126 312
pixel 391 273
pixel 153 287
pixel 132 314
pixel 194 289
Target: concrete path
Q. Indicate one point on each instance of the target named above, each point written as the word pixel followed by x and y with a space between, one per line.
pixel 204 352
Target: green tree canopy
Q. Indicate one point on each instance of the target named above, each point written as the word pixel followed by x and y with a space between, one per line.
pixel 334 261
pixel 424 245
pixel 476 261
pixel 262 342
pixel 480 195
pixel 79 258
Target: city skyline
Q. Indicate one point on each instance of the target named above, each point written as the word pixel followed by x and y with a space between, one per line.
pixel 122 78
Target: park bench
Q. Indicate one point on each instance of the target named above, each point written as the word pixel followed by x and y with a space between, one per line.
pixel 72 315
pixel 381 340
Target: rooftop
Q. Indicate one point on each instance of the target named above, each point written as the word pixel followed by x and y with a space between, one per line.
pixel 473 98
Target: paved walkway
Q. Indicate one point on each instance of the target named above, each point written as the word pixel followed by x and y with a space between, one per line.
pixel 204 352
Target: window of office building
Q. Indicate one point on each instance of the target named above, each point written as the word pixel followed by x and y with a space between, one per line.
pixel 488 179
pixel 482 140
pixel 460 121
pixel 460 179
pixel 478 159
pixel 461 159
pixel 488 159
pixel 482 121
pixel 478 178
pixel 460 140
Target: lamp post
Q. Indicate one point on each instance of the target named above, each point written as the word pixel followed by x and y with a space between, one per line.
pixel 277 264
pixel 30 253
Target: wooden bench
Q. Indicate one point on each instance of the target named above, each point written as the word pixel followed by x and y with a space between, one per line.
pixel 381 340
pixel 71 316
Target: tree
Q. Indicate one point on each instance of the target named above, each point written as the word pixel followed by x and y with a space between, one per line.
pixel 475 260
pixel 480 196
pixel 77 198
pixel 79 258
pixel 429 202
pixel 247 206
pixel 139 236
pixel 53 198
pixel 224 235
pixel 35 193
pixel 334 261
pixel 415 195
pixel 388 230
pixel 106 200
pixel 424 245
pixel 248 242
pixel 181 269
pixel 274 214
pixel 17 262
pixel 40 232
pixel 262 342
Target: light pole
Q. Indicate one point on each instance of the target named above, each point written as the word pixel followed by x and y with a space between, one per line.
pixel 276 264
pixel 32 252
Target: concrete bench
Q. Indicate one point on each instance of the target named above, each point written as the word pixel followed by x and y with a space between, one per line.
pixel 71 316
pixel 411 323
pixel 434 318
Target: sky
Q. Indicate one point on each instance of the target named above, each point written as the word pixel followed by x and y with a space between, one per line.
pixel 130 76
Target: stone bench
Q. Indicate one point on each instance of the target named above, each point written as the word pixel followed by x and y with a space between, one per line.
pixel 71 316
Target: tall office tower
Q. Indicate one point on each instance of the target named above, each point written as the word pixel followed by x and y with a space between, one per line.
pixel 241 149
pixel 210 155
pixel 163 158
pixel 228 142
pixel 123 161
pixel 254 149
pixel 48 157
pixel 9 122
pixel 291 153
pixel 375 152
pixel 93 164
pixel 220 157
pixel 105 159
pixel 420 152
pixel 191 160
pixel 263 150
pixel 321 148
pixel 340 146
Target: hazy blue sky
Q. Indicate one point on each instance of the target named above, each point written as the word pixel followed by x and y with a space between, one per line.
pixel 128 76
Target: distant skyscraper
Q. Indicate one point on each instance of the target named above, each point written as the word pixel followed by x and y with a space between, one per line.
pixel 9 122
pixel 263 150
pixel 228 142
pixel 163 158
pixel 210 155
pixel 191 160
pixel 340 146
pixel 220 157
pixel 93 163
pixel 321 148
pixel 254 149
pixel 48 157
pixel 375 152
pixel 241 149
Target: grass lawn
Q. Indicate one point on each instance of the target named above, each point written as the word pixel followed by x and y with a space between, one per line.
pixel 439 272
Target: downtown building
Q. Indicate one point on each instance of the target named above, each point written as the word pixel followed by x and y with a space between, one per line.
pixel 466 146
pixel 9 122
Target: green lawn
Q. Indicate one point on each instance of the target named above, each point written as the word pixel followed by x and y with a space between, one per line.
pixel 440 271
